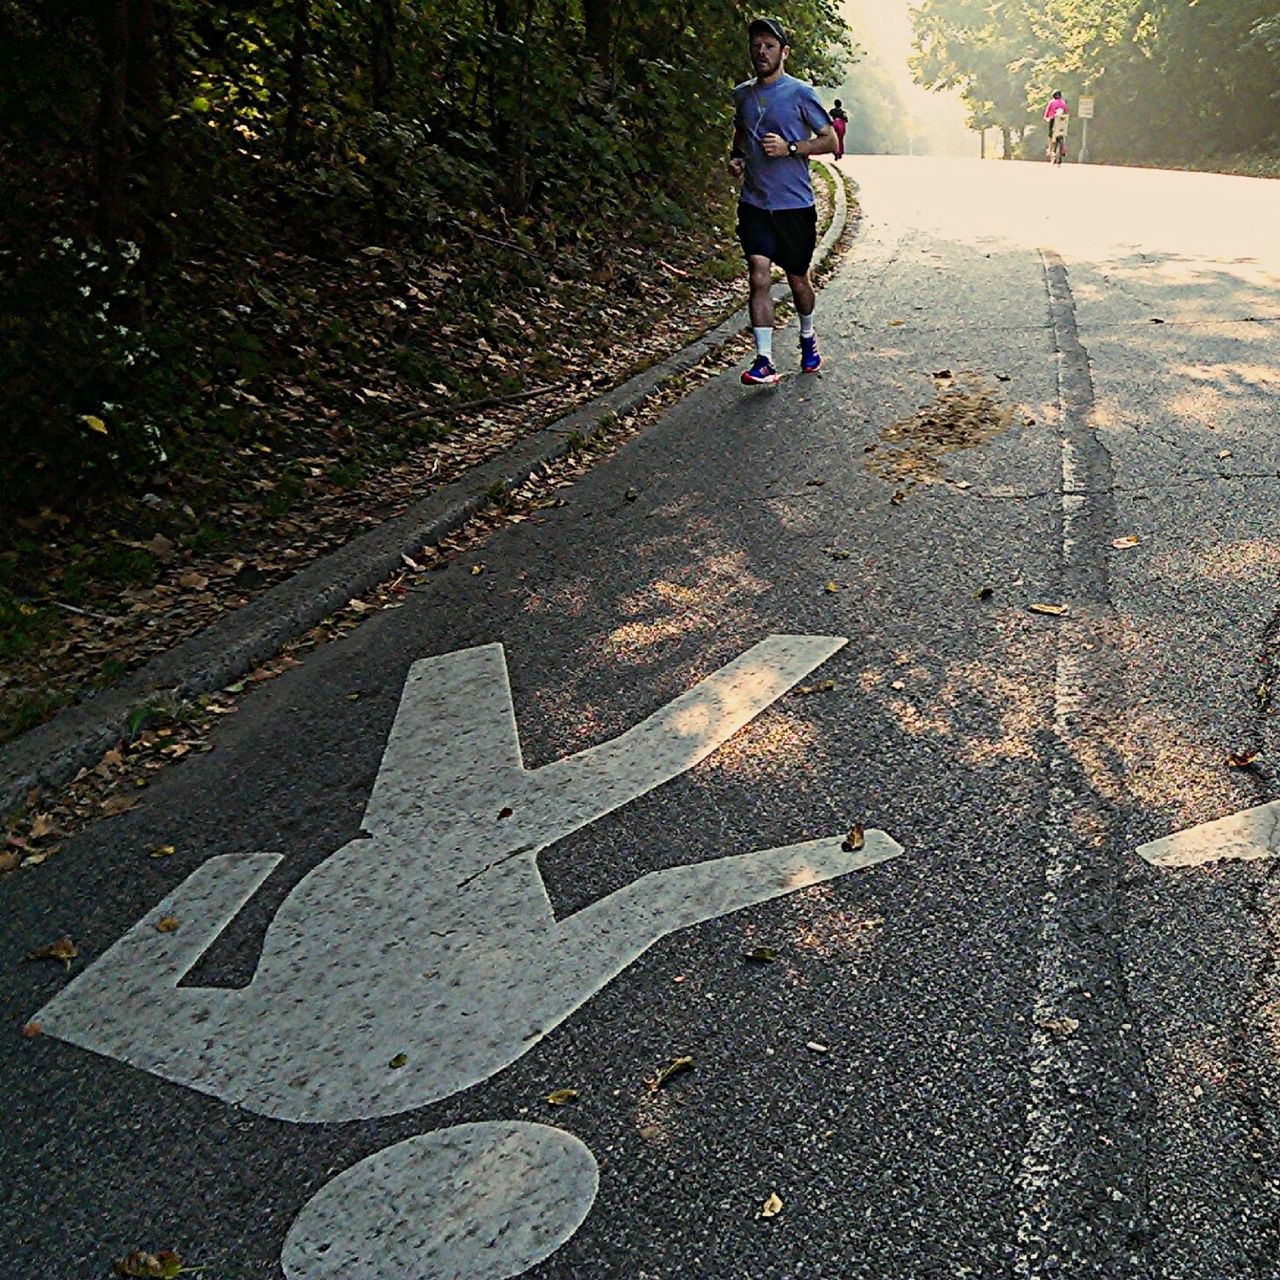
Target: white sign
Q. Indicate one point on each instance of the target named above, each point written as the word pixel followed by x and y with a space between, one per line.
pixel 1086 108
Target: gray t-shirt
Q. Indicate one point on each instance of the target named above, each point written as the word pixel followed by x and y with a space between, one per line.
pixel 791 109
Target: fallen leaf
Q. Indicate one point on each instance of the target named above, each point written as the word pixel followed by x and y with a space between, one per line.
pixel 559 1097
pixel 855 840
pixel 1061 1027
pixel 942 373
pixel 772 1206
pixel 898 684
pixel 94 423
pixel 673 1068
pixel 823 686
pixel 398 1061
pixel 193 581
pixel 1129 540
pixel 985 593
pixel 1054 610
pixel 41 825
pixel 476 570
pixel 9 861
pixel 761 955
pixel 114 805
pixel 831 588
pixel 894 324
pixel 63 949
pixel 163 851
pixel 1242 759
pixel 140 1265
pixel 838 553
pixel 31 1030
pixel 650 1131
pixel 898 498
pixel 1224 454
pixel 168 924
pixel 815 484
pixel 506 811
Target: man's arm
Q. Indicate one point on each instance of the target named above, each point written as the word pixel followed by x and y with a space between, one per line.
pixel 737 157
pixel 822 143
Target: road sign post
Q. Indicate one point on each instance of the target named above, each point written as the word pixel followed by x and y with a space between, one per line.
pixel 1086 114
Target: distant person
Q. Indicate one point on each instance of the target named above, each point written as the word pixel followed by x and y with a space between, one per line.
pixel 1057 107
pixel 839 122
pixel 779 123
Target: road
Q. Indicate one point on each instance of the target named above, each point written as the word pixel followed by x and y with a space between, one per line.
pixel 995 594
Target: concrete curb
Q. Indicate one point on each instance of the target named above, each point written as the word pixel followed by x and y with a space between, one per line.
pixel 52 753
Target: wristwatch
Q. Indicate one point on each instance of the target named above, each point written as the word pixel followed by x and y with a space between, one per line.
pixel 792 149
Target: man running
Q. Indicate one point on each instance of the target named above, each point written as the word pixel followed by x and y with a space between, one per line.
pixel 774 117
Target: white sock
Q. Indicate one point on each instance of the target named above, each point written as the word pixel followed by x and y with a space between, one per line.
pixel 764 342
pixel 806 325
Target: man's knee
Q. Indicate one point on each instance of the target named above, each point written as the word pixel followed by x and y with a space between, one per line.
pixel 759 277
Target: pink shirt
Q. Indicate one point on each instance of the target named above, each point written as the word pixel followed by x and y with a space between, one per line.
pixel 1057 107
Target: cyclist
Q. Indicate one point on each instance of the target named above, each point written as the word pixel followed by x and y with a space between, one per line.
pixel 1057 111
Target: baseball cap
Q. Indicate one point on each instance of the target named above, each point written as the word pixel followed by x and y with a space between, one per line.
pixel 769 27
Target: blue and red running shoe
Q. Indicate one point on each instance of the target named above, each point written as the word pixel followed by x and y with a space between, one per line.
pixel 810 360
pixel 761 374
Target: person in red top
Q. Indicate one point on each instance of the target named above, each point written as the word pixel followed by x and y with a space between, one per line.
pixel 839 122
pixel 1057 107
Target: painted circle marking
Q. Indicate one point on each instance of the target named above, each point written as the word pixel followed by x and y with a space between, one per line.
pixel 474 1202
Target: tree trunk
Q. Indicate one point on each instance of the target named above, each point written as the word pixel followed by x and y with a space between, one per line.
pixel 382 45
pixel 113 134
pixel 1007 134
pixel 598 15
pixel 297 77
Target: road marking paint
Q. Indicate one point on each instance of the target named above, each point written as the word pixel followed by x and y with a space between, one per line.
pixel 1240 837
pixel 474 1202
pixel 433 943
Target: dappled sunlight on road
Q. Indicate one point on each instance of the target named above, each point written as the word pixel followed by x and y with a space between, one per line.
pixel 665 610
pixel 1247 560
pixel 782 740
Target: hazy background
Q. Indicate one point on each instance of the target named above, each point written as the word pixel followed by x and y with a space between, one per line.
pixel 888 111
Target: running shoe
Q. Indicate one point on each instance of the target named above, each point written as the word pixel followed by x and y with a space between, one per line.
pixel 762 373
pixel 810 360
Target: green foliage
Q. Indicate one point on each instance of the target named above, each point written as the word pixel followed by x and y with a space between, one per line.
pixel 1174 80
pixel 173 143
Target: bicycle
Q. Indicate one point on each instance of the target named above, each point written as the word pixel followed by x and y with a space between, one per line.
pixel 1058 141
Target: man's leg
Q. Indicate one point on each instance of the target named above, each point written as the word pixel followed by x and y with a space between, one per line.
pixel 806 300
pixel 759 270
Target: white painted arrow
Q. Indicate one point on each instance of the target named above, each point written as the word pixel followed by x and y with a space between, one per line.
pixel 1242 837
pixel 432 943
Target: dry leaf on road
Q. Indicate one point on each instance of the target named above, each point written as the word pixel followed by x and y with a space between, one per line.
pixel 63 949
pixel 855 840
pixel 560 1097
pixel 772 1206
pixel 674 1067
pixel 1053 610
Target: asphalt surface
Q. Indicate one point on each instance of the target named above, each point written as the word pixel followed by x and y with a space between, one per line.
pixel 1036 1054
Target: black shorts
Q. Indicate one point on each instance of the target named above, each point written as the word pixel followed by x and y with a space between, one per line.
pixel 785 236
